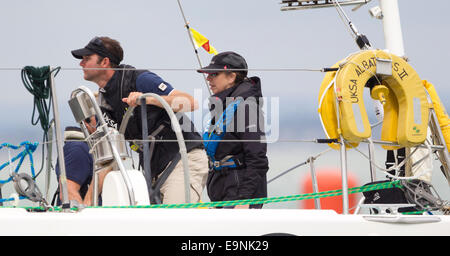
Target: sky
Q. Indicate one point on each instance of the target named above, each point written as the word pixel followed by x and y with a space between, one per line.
pixel 152 33
pixel 153 36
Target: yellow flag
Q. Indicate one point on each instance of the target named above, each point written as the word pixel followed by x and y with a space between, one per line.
pixel 202 41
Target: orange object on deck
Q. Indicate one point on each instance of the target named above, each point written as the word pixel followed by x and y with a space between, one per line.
pixel 329 179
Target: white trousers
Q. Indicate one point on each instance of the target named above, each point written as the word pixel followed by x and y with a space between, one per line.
pixel 173 191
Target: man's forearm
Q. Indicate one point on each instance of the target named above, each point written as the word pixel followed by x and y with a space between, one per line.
pixel 73 190
pixel 88 199
pixel 178 103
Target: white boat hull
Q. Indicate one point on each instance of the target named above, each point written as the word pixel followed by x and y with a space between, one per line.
pixel 216 222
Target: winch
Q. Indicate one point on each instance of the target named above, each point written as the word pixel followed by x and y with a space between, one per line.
pixel 101 149
pixel 106 145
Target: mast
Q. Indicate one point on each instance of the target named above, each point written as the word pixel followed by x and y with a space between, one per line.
pixel 391 26
pixel 390 16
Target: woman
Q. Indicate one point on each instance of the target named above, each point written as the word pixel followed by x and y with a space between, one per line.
pixel 239 167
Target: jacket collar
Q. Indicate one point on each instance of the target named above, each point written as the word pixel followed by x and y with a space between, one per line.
pixel 225 93
pixel 115 81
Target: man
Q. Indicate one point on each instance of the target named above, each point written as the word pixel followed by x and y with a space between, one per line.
pixel 121 84
pixel 79 166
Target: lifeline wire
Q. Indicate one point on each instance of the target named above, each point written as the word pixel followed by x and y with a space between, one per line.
pixel 397 165
pixel 178 69
pixel 230 141
pixel 296 166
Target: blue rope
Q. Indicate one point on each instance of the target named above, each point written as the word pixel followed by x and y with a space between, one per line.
pixel 11 199
pixel 29 150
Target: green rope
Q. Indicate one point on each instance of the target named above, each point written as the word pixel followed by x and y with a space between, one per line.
pixel 323 194
pixel 37 81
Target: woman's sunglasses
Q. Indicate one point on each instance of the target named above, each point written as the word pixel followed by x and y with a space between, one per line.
pixel 212 75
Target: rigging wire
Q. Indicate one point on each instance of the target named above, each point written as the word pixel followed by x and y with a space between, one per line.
pixel 361 40
pixel 342 16
pixel 186 24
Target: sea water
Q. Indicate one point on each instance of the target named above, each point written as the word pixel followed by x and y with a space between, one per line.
pixel 282 156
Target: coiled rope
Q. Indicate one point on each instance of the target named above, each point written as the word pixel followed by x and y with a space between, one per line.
pixel 37 81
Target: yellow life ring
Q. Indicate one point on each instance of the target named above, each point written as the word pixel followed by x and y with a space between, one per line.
pixel 441 113
pixel 406 108
pixel 327 107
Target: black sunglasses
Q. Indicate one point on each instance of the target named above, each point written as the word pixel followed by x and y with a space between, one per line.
pixel 213 74
pixel 97 41
pixel 101 49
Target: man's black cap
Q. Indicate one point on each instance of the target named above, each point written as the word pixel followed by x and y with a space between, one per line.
pixel 96 46
pixel 224 61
